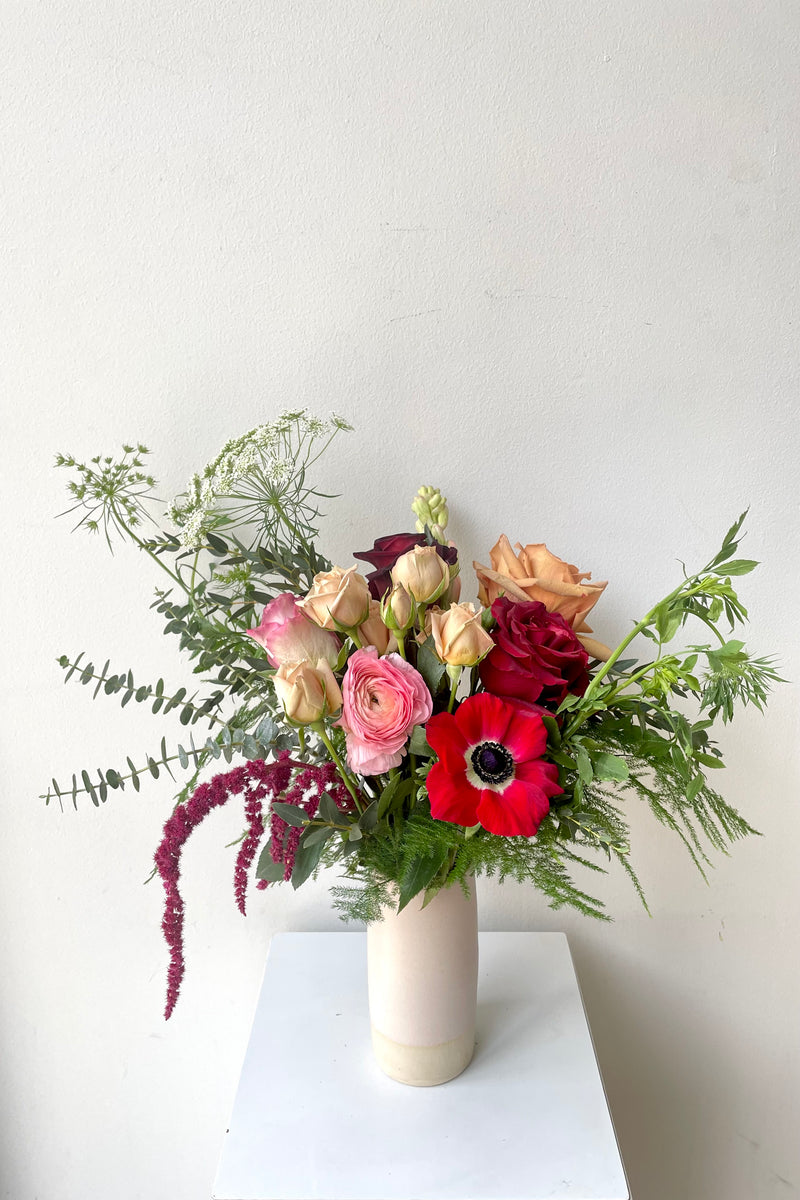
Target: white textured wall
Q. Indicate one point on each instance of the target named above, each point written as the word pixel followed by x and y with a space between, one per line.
pixel 542 254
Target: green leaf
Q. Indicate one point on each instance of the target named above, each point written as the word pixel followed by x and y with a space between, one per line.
pixel 306 860
pixel 668 622
pixel 429 666
pixel 74 666
pixel 291 814
pixel 250 747
pixel 369 818
pixel 608 767
pixel 708 760
pixel 404 789
pixel 388 794
pixel 89 786
pixel 552 727
pixel 175 700
pixel 738 566
pixel 584 764
pixel 422 872
pixel 134 776
pixel 732 533
pixel 418 743
pixel 101 678
pixel 328 810
pixel 694 787
pixel 314 834
pixel 266 869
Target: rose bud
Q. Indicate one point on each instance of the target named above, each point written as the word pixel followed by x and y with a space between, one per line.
pixel 459 637
pixel 338 600
pixel 383 555
pixel 397 608
pixel 307 692
pixel 289 636
pixel 423 573
pixel 373 631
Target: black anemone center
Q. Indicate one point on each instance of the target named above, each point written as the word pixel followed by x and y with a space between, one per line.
pixel 492 762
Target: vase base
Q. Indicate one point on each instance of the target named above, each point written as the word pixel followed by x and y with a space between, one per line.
pixel 423 1066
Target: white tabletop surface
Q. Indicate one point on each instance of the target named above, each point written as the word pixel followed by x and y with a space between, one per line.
pixel 315 1119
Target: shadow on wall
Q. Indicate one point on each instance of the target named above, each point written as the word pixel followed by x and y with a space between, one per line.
pixel 670 1075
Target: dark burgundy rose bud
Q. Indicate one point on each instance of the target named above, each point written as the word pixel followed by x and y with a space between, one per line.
pixel 385 553
pixel 536 657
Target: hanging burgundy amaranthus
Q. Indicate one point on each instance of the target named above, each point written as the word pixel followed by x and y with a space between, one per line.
pixel 258 780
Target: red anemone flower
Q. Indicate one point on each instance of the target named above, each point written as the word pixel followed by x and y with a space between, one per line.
pixel 490 769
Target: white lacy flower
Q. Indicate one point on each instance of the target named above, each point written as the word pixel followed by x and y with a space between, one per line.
pixel 265 447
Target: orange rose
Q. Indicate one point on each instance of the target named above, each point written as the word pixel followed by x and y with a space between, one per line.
pixel 536 574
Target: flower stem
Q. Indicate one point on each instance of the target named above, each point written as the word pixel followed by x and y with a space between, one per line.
pixel 319 728
pixel 455 679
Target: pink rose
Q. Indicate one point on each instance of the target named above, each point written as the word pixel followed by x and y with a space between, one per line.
pixel 383 699
pixel 289 636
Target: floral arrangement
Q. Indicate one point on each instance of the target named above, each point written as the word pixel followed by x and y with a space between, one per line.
pixel 385 727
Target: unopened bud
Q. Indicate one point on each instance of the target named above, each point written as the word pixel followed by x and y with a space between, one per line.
pixel 397 609
pixel 430 508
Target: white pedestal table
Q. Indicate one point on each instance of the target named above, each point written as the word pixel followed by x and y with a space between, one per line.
pixel 315 1119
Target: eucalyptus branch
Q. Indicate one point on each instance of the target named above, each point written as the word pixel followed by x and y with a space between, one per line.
pixel 161 700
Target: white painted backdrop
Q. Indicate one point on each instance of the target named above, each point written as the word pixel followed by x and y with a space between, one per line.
pixel 543 255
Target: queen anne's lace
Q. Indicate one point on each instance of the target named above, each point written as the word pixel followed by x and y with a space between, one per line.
pixel 268 455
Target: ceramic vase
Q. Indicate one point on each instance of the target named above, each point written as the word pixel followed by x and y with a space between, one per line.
pixel 423 981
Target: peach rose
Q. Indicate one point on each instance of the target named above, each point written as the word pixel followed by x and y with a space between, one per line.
pixel 459 637
pixel 338 597
pixel 308 691
pixel 373 632
pixel 397 608
pixel 423 573
pixel 536 574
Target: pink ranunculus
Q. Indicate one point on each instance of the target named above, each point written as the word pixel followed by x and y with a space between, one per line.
pixel 384 698
pixel 289 636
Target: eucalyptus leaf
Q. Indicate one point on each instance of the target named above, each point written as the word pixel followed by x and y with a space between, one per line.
pixel 306 860
pixel 369 818
pixel 314 834
pixel 266 869
pixel 290 813
pixel 328 810
pixel 418 743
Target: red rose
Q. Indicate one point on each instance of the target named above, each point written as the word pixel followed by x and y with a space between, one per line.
pixel 385 553
pixel 536 657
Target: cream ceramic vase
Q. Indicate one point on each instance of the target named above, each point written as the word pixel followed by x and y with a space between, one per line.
pixel 423 982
